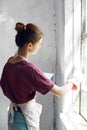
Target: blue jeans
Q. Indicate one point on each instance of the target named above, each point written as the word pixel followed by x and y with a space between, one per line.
pixel 18 123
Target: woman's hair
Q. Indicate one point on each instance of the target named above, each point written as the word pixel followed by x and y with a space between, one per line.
pixel 27 33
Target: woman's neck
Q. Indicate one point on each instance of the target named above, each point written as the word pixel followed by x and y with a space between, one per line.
pixel 23 53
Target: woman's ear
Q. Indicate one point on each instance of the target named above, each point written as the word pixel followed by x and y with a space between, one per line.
pixel 30 46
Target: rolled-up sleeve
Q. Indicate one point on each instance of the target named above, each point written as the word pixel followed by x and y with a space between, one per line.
pixel 42 83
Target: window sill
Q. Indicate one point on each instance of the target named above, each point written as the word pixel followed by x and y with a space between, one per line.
pixel 73 121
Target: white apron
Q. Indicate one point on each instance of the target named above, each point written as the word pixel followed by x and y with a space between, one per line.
pixel 31 111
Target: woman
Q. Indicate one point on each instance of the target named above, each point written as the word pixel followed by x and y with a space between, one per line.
pixel 21 79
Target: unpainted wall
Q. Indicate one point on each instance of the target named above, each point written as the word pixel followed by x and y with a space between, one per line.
pixel 41 13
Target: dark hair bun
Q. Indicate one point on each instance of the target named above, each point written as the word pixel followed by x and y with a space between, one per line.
pixel 20 27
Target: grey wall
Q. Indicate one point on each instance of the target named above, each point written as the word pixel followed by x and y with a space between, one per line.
pixel 59 33
pixel 40 12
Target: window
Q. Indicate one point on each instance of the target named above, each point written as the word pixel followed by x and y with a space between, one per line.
pixel 75 102
pixel 83 91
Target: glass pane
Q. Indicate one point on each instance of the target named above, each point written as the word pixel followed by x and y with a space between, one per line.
pixel 83 103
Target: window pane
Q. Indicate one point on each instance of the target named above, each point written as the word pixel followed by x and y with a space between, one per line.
pixel 83 103
pixel 83 92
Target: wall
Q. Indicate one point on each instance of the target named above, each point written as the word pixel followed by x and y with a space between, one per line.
pixel 41 13
pixel 59 33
